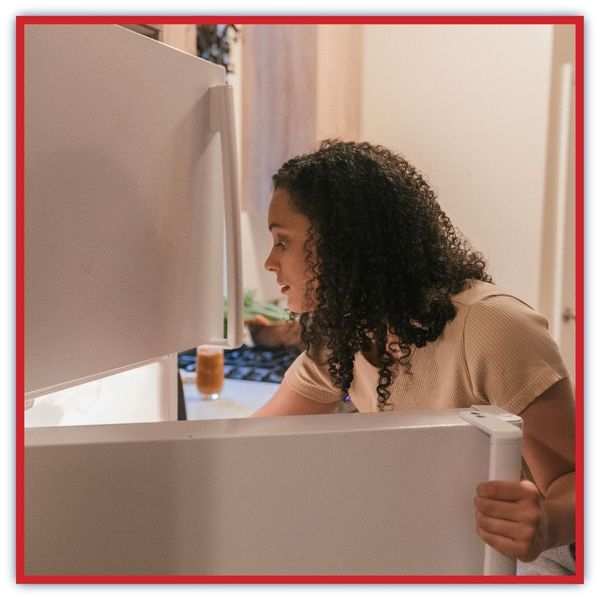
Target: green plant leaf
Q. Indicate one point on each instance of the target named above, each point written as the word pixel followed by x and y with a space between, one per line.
pixel 253 308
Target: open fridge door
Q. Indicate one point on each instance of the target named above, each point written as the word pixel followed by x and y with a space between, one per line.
pixel 130 182
pixel 342 494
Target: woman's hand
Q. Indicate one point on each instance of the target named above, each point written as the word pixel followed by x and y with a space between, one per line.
pixel 517 518
pixel 510 517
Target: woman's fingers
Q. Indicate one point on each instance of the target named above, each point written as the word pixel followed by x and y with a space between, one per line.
pixel 510 517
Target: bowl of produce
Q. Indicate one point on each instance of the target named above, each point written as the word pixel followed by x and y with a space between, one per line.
pixel 269 325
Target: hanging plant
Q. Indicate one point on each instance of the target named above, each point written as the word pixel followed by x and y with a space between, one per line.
pixel 214 43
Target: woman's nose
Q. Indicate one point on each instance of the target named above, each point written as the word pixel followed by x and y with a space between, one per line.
pixel 271 264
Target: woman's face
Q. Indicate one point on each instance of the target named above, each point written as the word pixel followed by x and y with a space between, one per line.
pixel 287 259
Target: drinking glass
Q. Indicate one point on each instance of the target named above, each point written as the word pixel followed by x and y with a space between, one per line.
pixel 209 371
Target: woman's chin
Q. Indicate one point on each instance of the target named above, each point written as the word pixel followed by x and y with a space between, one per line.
pixel 294 306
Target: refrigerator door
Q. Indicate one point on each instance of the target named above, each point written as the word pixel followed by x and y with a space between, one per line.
pixel 124 212
pixel 343 494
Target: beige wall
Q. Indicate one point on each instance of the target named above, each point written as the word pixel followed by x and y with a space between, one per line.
pixel 256 239
pixel 469 106
pixel 299 84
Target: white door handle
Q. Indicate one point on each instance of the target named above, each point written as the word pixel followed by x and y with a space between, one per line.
pixel 222 118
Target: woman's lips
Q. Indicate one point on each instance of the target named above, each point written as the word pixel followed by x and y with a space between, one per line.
pixel 285 289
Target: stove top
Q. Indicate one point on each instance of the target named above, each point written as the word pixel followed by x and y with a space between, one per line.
pixel 250 363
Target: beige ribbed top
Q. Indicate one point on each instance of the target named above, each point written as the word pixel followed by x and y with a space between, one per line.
pixel 497 350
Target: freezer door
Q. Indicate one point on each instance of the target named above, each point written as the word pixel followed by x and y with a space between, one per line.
pixel 123 203
pixel 341 494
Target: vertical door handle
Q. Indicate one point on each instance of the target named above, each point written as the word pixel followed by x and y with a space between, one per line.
pixel 223 120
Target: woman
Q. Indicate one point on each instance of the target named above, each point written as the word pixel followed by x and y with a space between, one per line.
pixel 398 312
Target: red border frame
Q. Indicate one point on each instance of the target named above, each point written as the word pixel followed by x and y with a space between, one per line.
pixel 21 21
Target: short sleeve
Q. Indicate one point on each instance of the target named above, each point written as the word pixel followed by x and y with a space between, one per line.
pixel 511 357
pixel 311 380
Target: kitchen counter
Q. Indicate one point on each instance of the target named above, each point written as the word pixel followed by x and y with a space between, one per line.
pixel 238 399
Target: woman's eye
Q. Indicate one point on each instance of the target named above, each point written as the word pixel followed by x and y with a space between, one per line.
pixel 282 245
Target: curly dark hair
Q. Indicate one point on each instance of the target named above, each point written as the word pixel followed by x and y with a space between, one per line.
pixel 384 258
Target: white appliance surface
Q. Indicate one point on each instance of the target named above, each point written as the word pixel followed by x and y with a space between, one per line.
pixel 380 493
pixel 124 187
pixel 137 396
pixel 131 396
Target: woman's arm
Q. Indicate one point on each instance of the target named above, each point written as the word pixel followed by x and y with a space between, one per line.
pixel 515 517
pixel 288 401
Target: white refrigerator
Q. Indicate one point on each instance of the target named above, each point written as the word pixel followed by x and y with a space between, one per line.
pixel 131 213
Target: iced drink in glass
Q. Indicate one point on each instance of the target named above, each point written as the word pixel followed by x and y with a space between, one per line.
pixel 209 371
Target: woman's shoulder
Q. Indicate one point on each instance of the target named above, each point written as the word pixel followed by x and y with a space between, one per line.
pixel 478 291
pixel 510 355
pixel 484 304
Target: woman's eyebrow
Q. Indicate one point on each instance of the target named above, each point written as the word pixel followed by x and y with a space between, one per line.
pixel 275 225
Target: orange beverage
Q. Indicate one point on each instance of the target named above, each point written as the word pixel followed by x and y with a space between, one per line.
pixel 209 371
